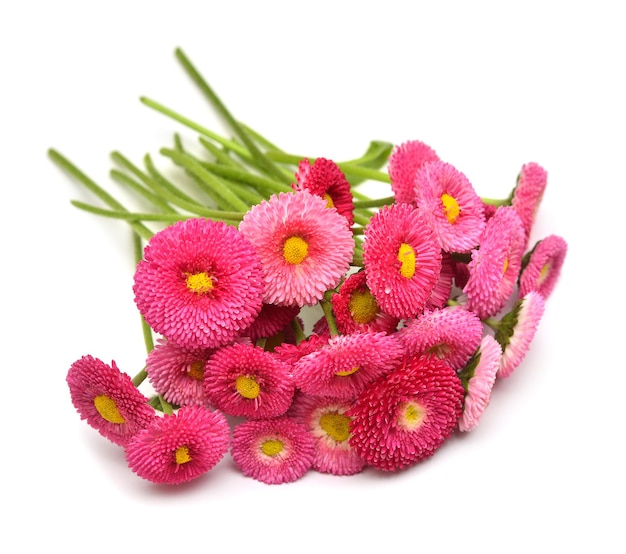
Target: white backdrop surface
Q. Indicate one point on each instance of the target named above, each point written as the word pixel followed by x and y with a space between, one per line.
pixel 489 85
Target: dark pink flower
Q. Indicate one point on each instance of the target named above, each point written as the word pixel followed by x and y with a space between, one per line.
pixel 108 400
pixel 528 193
pixel 179 447
pixel 271 320
pixel 404 161
pixel 542 267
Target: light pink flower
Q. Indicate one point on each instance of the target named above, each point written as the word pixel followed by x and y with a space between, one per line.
pixel 405 417
pixel 108 400
pixel 452 207
pixel 402 259
pixel 325 179
pixel 177 373
pixel 478 378
pixel 179 447
pixel 327 421
pixel 528 193
pixel 200 283
pixel 496 264
pixel 347 364
pixel 543 265
pixel 273 451
pixel 305 248
pixel 517 329
pixel 404 161
pixel 244 380
pixel 451 334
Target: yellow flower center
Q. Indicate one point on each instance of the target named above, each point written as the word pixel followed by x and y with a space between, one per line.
pixel 439 350
pixel 545 270
pixel 295 250
pixel 450 207
pixel 182 455
pixel 337 426
pixel 107 409
pixel 247 387
pixel 363 307
pixel 406 256
pixel 506 266
pixel 196 370
pixel 411 415
pixel 329 200
pixel 347 372
pixel 200 283
pixel 272 447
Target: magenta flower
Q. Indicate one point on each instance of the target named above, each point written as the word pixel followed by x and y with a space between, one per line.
pixel 273 451
pixel 271 320
pixel 528 193
pixel 244 380
pixel 291 353
pixel 356 309
pixel 542 267
pixel 516 330
pixel 347 364
pixel 402 259
pixel 452 207
pixel 478 377
pixel 404 418
pixel 179 447
pixel 177 373
pixel 325 179
pixel 451 334
pixel 327 421
pixel 404 162
pixel 305 248
pixel 108 400
pixel 200 283
pixel 443 288
pixel 495 266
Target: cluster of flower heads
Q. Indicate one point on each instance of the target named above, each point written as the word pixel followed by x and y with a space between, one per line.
pixel 425 306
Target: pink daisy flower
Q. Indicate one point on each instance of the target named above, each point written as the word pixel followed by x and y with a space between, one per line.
pixel 478 378
pixel 177 373
pixel 305 248
pixel 404 161
pixel 273 451
pixel 451 334
pixel 528 193
pixel 108 400
pixel 200 283
pixel 179 447
pixel 542 266
pixel 356 309
pixel 452 207
pixel 291 353
pixel 271 320
pixel 402 259
pixel 244 380
pixel 347 364
pixel 496 264
pixel 325 179
pixel 327 421
pixel 516 330
pixel 405 417
pixel 441 293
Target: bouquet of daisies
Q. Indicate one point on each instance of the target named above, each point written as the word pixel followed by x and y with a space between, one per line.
pixel 296 324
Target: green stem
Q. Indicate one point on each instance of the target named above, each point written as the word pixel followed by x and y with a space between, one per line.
pixel 361 218
pixel 220 155
pixel 265 143
pixel 257 181
pixel 297 330
pixel 166 407
pixel 330 318
pixel 153 198
pixel 374 203
pixel 496 202
pixel 145 328
pixel 492 322
pixel 140 377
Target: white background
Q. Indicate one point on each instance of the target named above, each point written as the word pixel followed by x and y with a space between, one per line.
pixel 489 85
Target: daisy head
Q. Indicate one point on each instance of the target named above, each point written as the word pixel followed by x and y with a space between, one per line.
pixel 451 334
pixel 356 309
pixel 347 364
pixel 478 378
pixel 443 288
pixel 244 380
pixel 304 247
pixel 541 267
pixel 402 259
pixel 453 208
pixel 404 162
pixel 108 400
pixel 177 373
pixel 200 283
pixel 329 425
pixel 516 330
pixel 179 447
pixel 404 418
pixel 273 451
pixel 271 320
pixel 528 193
pixel 325 179
pixel 495 265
